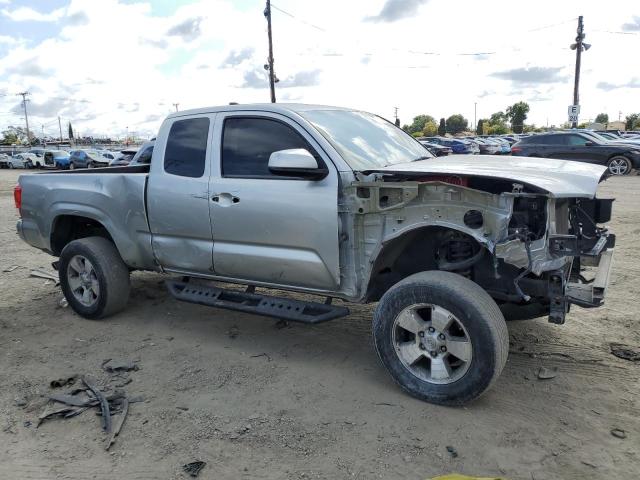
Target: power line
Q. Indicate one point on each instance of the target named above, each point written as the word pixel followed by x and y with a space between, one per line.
pixel 298 19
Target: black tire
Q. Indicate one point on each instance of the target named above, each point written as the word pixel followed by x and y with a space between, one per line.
pixel 619 165
pixel 473 308
pixel 111 272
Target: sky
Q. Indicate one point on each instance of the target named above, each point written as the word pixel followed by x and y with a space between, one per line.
pixel 112 66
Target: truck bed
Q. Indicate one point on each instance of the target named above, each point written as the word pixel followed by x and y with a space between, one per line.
pixel 115 197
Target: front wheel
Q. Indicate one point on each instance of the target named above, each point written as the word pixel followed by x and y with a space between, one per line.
pixel 441 337
pixel 10 165
pixel 619 166
pixel 93 277
pixel 72 166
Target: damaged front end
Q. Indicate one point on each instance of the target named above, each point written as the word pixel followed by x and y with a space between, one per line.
pixel 529 249
pixel 558 265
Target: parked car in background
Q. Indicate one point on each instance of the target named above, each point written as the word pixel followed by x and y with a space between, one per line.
pixel 505 146
pixel 87 159
pixel 619 158
pixel 4 158
pixel 486 145
pixel 56 159
pixel 457 145
pixel 143 156
pixel 22 160
pixel 123 158
pixel 435 149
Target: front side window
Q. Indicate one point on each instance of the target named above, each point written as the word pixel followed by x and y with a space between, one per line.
pixel 577 141
pixel 186 149
pixel 247 144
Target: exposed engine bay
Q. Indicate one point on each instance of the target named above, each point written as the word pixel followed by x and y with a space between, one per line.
pixel 527 249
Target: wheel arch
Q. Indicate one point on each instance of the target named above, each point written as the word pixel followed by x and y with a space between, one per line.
pixel 67 227
pixel 409 252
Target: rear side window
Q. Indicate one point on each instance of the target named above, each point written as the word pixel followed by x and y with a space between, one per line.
pixel 554 140
pixel 145 156
pixel 247 144
pixel 186 149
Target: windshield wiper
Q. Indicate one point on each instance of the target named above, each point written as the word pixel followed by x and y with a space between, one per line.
pixel 421 158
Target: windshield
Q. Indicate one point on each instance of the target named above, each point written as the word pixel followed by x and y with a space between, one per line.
pixel 364 140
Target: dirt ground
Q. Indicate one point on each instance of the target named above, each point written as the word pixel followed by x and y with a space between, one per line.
pixel 257 401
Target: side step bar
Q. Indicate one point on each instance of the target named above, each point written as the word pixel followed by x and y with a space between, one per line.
pixel 249 302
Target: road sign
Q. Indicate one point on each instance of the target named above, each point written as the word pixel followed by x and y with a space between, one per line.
pixel 574 112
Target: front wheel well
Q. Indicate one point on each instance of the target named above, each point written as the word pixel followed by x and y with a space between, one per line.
pixel 67 228
pixel 418 251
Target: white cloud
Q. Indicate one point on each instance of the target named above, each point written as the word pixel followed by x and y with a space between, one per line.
pixel 22 14
pixel 120 59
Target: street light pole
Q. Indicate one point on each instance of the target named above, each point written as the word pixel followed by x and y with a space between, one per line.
pixel 475 115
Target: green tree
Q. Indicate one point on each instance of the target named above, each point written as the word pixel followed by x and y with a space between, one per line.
pixel 14 135
pixel 602 118
pixel 632 122
pixel 517 114
pixel 498 117
pixel 442 128
pixel 416 134
pixel 70 132
pixel 430 129
pixel 480 126
pixel 498 129
pixel 456 124
pixel 419 122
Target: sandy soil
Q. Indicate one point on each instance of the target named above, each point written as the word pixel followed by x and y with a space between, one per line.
pixel 309 401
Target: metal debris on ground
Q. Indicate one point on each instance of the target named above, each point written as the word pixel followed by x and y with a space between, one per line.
pixel 452 451
pixel 113 404
pixel 46 275
pixel 194 468
pixel 547 373
pixel 233 332
pixel 119 423
pixel 63 382
pixel 113 366
pixel 625 352
pixel 280 324
pixel 11 268
pixel 618 433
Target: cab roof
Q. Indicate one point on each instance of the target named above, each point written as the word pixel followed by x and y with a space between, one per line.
pixel 261 107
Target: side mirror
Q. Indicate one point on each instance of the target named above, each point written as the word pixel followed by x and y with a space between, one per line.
pixel 589 144
pixel 296 162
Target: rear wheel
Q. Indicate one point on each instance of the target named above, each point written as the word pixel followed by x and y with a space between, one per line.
pixel 72 166
pixel 619 165
pixel 10 165
pixel 441 337
pixel 94 279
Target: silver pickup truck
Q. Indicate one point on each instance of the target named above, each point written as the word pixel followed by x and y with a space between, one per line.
pixel 341 204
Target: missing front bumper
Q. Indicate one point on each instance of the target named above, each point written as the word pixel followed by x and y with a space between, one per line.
pixel 586 294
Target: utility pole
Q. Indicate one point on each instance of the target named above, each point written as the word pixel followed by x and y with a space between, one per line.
pixel 269 67
pixel 26 118
pixel 60 127
pixel 475 115
pixel 175 105
pixel 578 47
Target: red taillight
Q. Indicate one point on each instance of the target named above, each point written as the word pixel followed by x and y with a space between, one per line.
pixel 17 196
pixel 516 149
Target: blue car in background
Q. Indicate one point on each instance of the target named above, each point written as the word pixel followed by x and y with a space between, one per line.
pixel 56 159
pixel 455 144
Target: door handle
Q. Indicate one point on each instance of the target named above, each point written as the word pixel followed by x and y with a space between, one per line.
pixel 225 199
